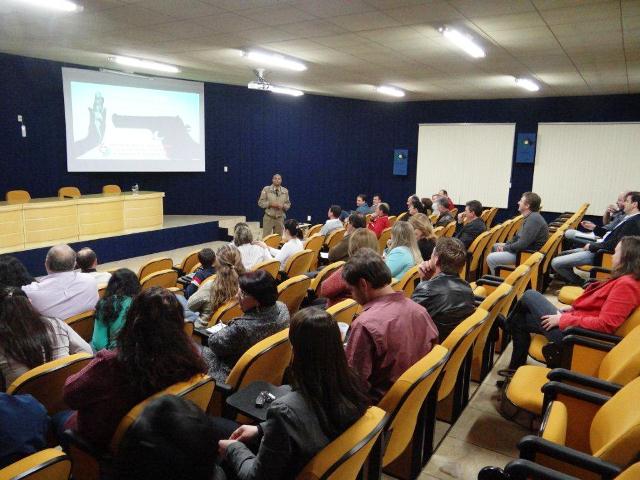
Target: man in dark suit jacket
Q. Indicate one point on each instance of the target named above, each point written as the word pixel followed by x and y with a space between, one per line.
pixel 474 226
pixel 563 264
pixel 341 250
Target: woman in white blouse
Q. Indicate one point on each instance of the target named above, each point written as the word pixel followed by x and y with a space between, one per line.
pixel 251 254
pixel 292 238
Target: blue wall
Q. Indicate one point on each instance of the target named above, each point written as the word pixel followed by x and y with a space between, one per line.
pixel 327 149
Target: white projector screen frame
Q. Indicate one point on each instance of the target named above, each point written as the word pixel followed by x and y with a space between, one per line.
pixel 472 161
pixel 585 162
pixel 143 124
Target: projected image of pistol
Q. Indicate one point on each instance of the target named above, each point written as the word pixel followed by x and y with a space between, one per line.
pixel 172 131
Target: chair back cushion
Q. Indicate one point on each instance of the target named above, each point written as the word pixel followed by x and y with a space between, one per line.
pixel 344 311
pixel 49 464
pixel 293 291
pixel 270 266
pixel 164 278
pixel 622 363
pixel 299 263
pixel 154 265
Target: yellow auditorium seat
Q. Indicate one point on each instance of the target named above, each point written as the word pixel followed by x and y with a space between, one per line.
pixel 474 254
pixel 313 230
pixel 322 275
pixel 17 196
pixel 48 464
pixel 407 403
pixel 334 238
pixel 582 429
pixel 111 189
pixel 293 291
pixel 69 192
pixel 344 311
pixel 407 283
pixel 270 266
pixel 46 382
pixel 225 313
pixel 385 236
pixel 163 278
pixel 298 263
pixel 344 458
pixel 188 262
pixel 274 240
pixel 265 361
pixel 155 265
pixel 314 243
pixel 82 324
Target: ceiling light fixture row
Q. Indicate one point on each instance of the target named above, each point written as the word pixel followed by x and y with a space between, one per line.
pixel 61 5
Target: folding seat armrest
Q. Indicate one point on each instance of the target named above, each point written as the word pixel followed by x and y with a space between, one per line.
pixel 523 253
pixel 563 375
pixel 490 280
pixel 530 445
pixel 596 270
pixel 224 389
pixel 586 333
pixel 577 339
pixel 505 269
pixel 525 469
pixel 72 438
pixel 552 389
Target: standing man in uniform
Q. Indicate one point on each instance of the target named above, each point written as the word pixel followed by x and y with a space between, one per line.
pixel 274 199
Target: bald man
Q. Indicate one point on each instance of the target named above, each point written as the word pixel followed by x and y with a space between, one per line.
pixel 63 292
pixel 274 199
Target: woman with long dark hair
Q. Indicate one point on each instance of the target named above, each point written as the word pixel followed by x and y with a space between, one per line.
pixel 153 353
pixel 327 398
pixel 28 340
pixel 603 307
pixel 111 310
pixel 13 273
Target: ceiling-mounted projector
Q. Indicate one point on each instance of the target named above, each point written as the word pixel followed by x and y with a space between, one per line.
pixel 262 84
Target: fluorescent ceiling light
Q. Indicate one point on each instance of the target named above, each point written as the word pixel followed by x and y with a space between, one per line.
pixel 527 84
pixel 274 89
pixel 275 60
pixel 146 64
pixel 462 41
pixel 62 5
pixel 392 91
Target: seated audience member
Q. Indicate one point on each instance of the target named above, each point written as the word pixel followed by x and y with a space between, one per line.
pixel 153 353
pixel 212 295
pixel 447 298
pixel 27 339
pixel 172 438
pixel 334 288
pixel 613 215
pixel 377 200
pixel 333 222
pixel 532 235
pixel 362 206
pixel 327 398
pixel 470 225
pixel 416 206
pixel 111 310
pixel 13 273
pixel 392 332
pixel 564 263
pixel 444 194
pixel 423 231
pixel 23 428
pixel 62 293
pixel 341 250
pixel 263 316
pixel 292 238
pixel 444 215
pixel 427 203
pixel 87 261
pixel 602 307
pixel 380 220
pixel 251 253
pixel 206 257
pixel 403 252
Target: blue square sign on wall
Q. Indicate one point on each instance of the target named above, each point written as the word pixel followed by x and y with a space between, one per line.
pixel 400 161
pixel 526 148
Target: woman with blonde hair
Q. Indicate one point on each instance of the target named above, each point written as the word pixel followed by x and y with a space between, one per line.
pixel 423 231
pixel 334 288
pixel 403 252
pixel 224 287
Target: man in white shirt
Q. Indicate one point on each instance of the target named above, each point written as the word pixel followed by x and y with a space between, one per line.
pixel 334 222
pixel 62 293
pixel 87 261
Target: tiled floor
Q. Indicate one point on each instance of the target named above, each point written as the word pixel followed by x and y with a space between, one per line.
pixel 479 438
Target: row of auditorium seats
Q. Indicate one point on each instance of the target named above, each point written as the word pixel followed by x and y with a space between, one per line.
pixel 18 196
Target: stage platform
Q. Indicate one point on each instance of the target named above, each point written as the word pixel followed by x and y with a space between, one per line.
pixel 178 231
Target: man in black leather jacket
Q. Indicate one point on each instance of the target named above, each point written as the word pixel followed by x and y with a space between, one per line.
pixel 447 298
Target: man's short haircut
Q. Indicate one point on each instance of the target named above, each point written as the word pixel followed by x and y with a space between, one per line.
pixel 336 210
pixel 367 264
pixel 85 259
pixel 60 258
pixel 377 195
pixel 357 220
pixel 362 196
pixel 384 208
pixel 451 255
pixel 475 206
pixel 444 192
pixel 635 197
pixel 441 202
pixel 533 200
pixel 206 256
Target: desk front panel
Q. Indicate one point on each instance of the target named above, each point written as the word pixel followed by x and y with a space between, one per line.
pixel 50 223
pixel 11 229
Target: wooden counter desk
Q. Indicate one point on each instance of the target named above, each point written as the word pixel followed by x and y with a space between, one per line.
pixel 41 222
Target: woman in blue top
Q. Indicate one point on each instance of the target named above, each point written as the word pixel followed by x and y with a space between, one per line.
pixel 403 252
pixel 111 310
